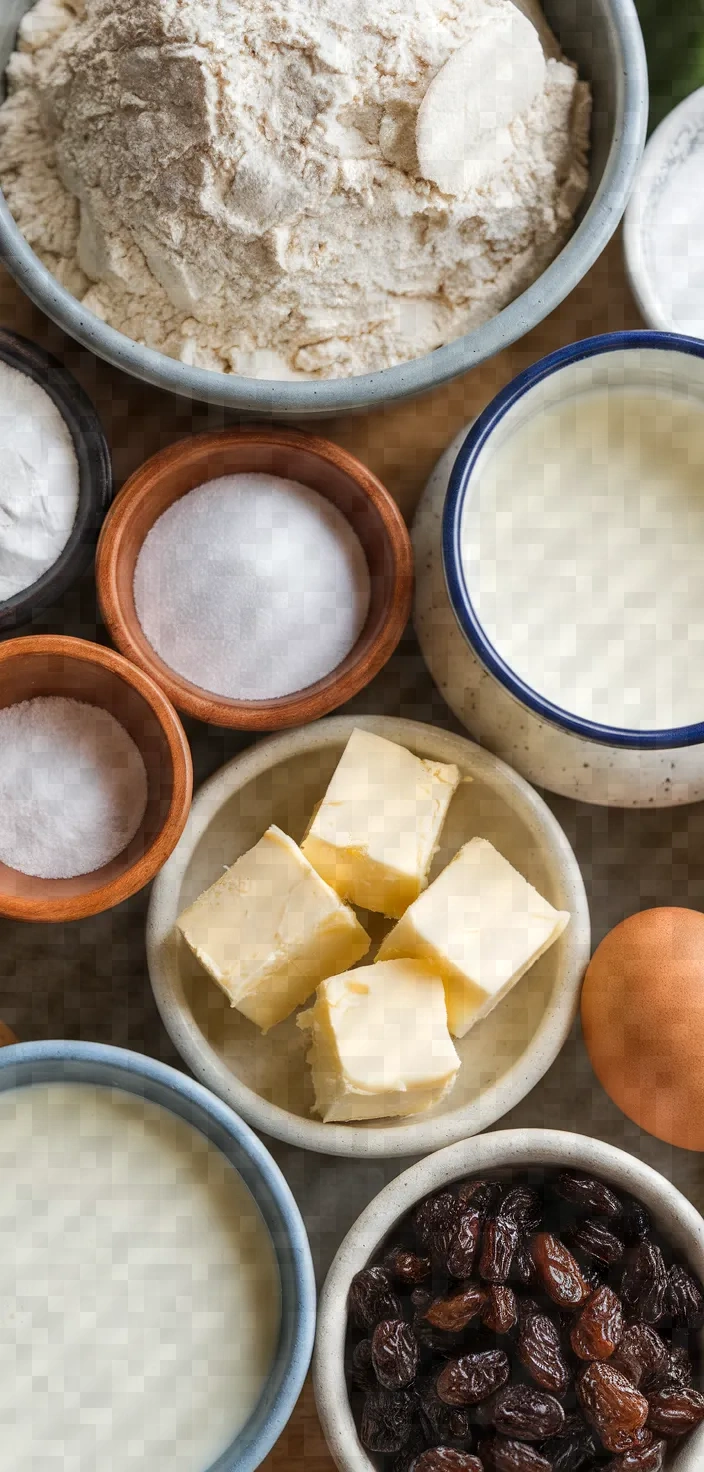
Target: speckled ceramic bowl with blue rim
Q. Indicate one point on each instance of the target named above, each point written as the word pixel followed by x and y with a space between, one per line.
pixel 550 746
pixel 94 1063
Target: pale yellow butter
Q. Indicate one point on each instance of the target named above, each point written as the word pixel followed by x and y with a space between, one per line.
pixel 375 832
pixel 270 929
pixel 379 1042
pixel 480 925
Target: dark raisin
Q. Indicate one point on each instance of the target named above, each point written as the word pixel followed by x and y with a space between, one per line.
pixel 386 1422
pixel 394 1354
pixel 522 1205
pixel 523 1268
pixel 678 1370
pixel 633 1223
pixel 440 1423
pixel 685 1303
pixel 454 1313
pixel 499 1243
pixel 407 1268
pixel 642 1356
pixel 500 1310
pixel 675 1412
pixel 598 1329
pixel 540 1352
pixel 584 1191
pixel 472 1378
pixel 647 1459
pixel 482 1195
pixel 527 1414
pixel 446 1459
pixel 559 1272
pixel 645 1282
pixel 595 1240
pixel 361 1367
pixel 462 1249
pixel 612 1405
pixel 372 1298
pixel 504 1455
pixel 574 1449
pixel 403 1461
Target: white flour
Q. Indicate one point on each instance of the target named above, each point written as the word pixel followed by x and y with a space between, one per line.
pixel 236 182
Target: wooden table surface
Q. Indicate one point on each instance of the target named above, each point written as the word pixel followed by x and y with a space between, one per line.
pixel 400 444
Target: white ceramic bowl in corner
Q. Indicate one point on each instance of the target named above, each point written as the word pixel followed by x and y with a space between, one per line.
pixel 661 253
pixel 675 1217
pixel 264 1077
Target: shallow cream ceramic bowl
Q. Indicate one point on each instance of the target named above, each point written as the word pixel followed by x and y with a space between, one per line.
pixel 264 1077
pixel 505 1150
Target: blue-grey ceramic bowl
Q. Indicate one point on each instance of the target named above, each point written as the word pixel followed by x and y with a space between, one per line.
pixel 604 38
pixel 31 1063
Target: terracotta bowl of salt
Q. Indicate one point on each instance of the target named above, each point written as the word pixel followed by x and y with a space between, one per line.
pixel 353 495
pixel 125 703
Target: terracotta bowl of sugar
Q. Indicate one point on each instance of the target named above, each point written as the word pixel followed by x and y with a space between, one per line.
pixel 261 577
pixel 95 778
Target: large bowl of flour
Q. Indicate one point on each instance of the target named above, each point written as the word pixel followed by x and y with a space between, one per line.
pixel 296 209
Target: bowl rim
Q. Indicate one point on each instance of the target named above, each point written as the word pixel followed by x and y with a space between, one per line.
pixel 675 133
pixel 329 396
pixel 394 1139
pixel 106 896
pixel 314 700
pixel 95 485
pixel 500 1149
pixel 79 1058
pixel 458 490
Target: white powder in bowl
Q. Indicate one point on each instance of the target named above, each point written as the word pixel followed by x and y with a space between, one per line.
pixel 252 587
pixel 39 482
pixel 245 184
pixel 73 787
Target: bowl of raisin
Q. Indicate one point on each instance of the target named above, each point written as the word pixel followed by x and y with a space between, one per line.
pixel 524 1301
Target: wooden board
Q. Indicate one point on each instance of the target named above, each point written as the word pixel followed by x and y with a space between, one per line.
pixel 400 444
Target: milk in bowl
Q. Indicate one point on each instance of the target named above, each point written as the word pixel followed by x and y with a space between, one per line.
pixel 141 1299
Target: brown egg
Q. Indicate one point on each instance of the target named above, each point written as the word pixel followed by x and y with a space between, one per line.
pixel 643 1022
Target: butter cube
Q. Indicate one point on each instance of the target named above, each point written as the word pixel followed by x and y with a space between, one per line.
pixel 379 1042
pixel 270 929
pixel 376 830
pixel 480 925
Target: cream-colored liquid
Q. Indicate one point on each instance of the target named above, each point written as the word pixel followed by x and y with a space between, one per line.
pixel 140 1297
pixel 583 550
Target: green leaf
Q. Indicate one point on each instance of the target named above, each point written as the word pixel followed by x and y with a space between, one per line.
pixel 674 39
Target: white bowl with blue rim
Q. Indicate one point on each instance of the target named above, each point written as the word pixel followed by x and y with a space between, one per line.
pixel 662 236
pixel 552 746
pixel 92 1063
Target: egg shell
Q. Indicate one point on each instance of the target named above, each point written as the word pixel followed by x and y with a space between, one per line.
pixel 643 1022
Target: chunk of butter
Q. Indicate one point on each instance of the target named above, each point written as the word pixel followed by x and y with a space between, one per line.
pixel 270 929
pixel 480 925
pixel 379 1042
pixel 375 832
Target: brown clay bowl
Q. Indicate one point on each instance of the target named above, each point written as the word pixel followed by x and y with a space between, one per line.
pixel 74 668
pixel 317 463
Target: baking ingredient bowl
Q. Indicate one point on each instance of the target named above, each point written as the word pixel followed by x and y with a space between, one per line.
pixel 116 1068
pixel 327 469
pixel 551 743
pixel 662 234
pixel 95 477
pixel 603 37
pixel 505 1152
pixel 264 1076
pixel 53 665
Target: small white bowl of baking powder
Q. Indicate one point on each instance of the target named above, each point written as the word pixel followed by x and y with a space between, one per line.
pixel 664 225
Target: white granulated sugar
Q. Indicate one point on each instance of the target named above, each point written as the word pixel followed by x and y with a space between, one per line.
pixel 252 587
pixel 73 787
pixel 238 183
pixel 39 482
